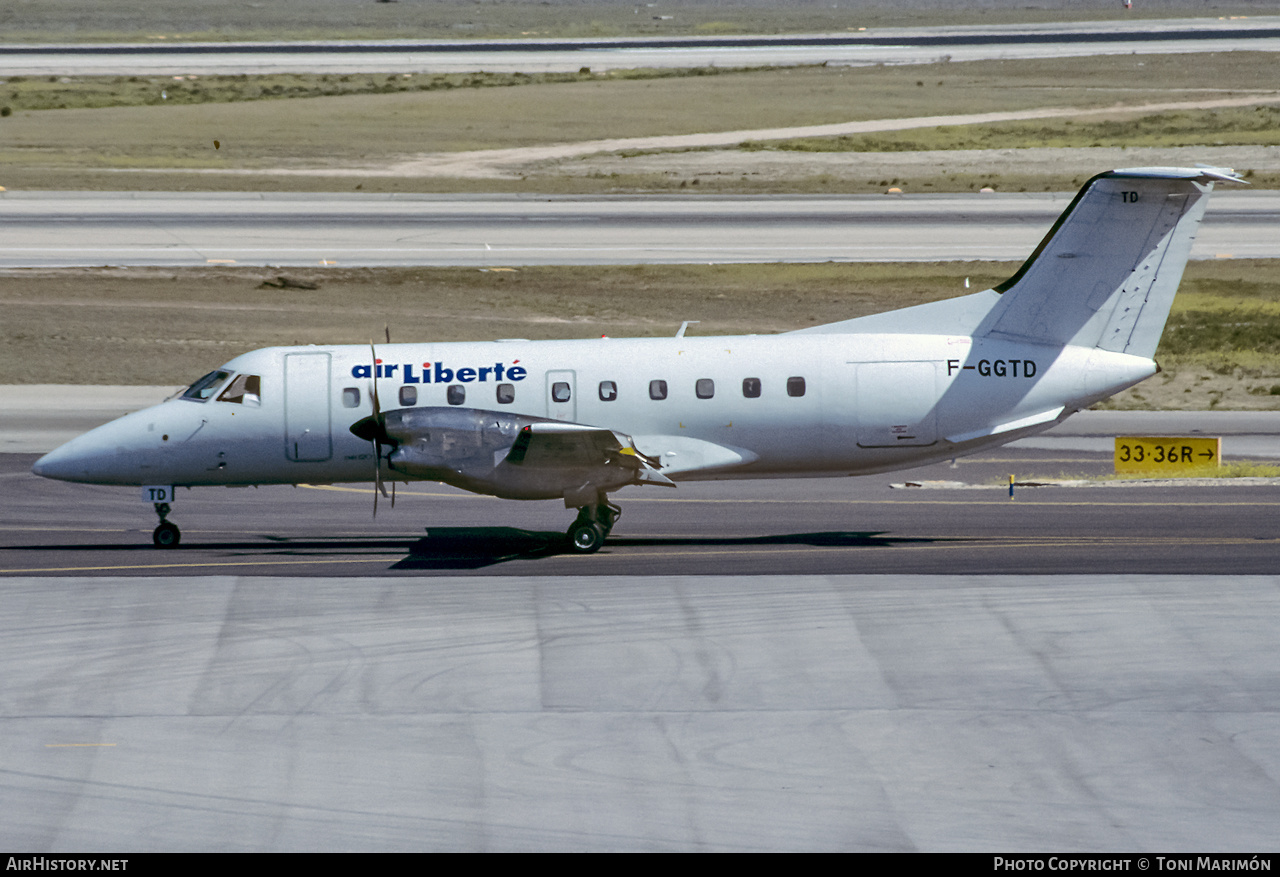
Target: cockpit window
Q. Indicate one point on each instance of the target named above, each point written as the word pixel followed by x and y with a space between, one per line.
pixel 203 389
pixel 244 390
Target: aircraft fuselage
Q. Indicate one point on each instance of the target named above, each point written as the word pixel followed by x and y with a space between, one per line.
pixel 706 407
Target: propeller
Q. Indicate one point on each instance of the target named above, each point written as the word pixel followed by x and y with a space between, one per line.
pixel 374 430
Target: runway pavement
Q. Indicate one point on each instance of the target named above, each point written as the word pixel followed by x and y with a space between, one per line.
pixel 62 229
pixel 919 45
pixel 729 673
pixel 808 526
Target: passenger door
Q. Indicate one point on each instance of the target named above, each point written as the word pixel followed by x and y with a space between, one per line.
pixel 306 407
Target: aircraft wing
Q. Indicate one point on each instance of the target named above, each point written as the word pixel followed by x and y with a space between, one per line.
pixel 574 446
pixel 513 456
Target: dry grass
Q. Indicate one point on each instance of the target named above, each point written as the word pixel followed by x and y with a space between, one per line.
pixel 173 146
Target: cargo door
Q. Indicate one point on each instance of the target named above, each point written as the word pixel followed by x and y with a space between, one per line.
pixel 896 404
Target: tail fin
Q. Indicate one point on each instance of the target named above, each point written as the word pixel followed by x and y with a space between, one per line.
pixel 1106 273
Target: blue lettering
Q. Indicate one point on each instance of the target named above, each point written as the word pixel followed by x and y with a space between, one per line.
pixel 438 373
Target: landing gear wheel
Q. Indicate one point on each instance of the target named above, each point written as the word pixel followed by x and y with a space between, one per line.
pixel 586 537
pixel 167 535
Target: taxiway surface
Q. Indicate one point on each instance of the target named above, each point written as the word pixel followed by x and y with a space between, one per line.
pixel 807 526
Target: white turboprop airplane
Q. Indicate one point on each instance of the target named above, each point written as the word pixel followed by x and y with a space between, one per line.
pixel 577 420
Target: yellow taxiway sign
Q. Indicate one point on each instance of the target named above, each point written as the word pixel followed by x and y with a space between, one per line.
pixel 1148 453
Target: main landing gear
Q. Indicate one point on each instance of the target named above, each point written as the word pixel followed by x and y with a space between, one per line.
pixel 167 535
pixel 589 530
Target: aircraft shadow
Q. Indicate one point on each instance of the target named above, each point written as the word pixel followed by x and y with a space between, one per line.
pixel 475 547
pixel 470 548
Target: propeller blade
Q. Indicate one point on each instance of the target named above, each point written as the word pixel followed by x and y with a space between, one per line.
pixel 377 476
pixel 378 428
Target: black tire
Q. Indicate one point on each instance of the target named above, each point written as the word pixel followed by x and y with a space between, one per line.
pixel 586 537
pixel 167 535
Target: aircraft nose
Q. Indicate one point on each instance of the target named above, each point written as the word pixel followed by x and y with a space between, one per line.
pixel 70 462
pixel 110 454
pixel 45 466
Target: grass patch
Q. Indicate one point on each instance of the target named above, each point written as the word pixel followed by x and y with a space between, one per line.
pixel 1231 126
pixel 1226 317
pixel 100 92
pixel 1240 469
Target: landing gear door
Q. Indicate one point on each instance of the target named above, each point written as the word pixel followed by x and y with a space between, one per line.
pixel 896 404
pixel 306 407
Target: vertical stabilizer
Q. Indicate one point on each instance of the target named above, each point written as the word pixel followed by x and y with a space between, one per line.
pixel 1106 273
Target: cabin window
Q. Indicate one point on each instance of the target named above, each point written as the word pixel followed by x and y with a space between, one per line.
pixel 456 394
pixel 795 386
pixel 506 394
pixel 706 388
pixel 244 390
pixel 203 389
pixel 657 390
pixel 560 391
pixel 408 396
pixel 350 397
pixel 608 391
pixel 751 388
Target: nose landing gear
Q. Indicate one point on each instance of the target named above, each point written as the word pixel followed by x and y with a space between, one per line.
pixel 167 535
